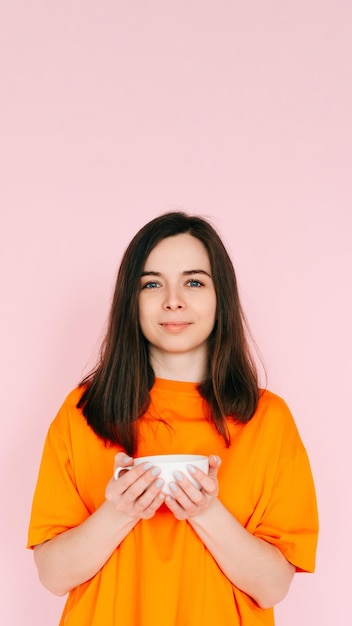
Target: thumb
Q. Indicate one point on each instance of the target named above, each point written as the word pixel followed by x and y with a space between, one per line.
pixel 122 460
pixel 214 464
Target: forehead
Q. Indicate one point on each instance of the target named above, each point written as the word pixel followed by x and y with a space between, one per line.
pixel 178 252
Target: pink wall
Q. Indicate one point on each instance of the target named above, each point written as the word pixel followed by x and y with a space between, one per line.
pixel 113 112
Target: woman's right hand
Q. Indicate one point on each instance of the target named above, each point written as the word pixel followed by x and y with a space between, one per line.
pixel 136 492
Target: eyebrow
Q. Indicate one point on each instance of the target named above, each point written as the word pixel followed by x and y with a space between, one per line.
pixel 185 273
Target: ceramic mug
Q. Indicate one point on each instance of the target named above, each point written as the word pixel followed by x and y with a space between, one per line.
pixel 169 464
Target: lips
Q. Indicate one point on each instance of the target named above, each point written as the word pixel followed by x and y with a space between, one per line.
pixel 175 327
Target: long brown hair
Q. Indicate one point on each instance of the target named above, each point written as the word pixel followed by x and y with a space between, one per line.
pixel 116 392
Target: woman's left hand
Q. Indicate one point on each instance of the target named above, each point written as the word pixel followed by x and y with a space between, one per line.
pixel 187 500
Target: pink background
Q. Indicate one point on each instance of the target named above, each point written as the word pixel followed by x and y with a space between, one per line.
pixel 113 112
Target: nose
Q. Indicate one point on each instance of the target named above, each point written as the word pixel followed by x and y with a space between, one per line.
pixel 173 300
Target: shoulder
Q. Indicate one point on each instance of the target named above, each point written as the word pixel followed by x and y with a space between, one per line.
pixel 273 420
pixel 74 397
pixel 273 407
pixel 271 400
pixel 69 417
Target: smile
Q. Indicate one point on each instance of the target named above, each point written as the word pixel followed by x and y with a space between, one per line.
pixel 175 327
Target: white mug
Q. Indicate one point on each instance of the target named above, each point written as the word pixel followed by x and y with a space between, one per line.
pixel 169 464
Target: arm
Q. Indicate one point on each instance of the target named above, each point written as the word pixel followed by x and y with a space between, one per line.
pixel 76 555
pixel 252 564
pixel 64 562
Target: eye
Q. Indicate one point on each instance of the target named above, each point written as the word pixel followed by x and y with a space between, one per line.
pixel 151 284
pixel 193 282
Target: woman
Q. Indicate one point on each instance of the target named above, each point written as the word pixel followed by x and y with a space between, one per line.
pixel 175 376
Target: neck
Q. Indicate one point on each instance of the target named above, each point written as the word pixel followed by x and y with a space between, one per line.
pixel 188 368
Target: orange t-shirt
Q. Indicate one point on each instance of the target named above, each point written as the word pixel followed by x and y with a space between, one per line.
pixel 161 573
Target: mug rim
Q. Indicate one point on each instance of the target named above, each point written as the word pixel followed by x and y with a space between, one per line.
pixel 171 458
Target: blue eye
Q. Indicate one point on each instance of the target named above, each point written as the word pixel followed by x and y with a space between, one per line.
pixel 195 283
pixel 151 285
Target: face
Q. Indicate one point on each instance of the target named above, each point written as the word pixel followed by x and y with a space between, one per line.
pixel 177 301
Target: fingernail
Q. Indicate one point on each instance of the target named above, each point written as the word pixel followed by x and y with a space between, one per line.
pixel 178 475
pixel 126 459
pixel 191 469
pixel 217 458
pixel 155 471
pixel 173 486
pixel 147 466
pixel 159 483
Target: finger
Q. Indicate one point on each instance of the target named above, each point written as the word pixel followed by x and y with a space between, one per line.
pixel 214 464
pixel 132 484
pixel 186 494
pixel 120 484
pixel 175 508
pixel 152 497
pixel 135 471
pixel 153 506
pixel 207 482
pixel 137 480
pixel 193 492
pixel 122 460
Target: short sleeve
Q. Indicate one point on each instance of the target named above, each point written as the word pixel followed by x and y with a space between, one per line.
pixel 290 520
pixel 57 505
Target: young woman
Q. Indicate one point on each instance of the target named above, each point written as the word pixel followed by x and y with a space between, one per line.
pixel 175 376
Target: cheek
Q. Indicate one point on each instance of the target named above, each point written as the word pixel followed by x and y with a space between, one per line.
pixel 141 315
pixel 145 315
pixel 143 327
pixel 142 307
pixel 212 309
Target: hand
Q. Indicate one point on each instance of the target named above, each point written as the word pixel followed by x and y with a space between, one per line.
pixel 136 492
pixel 187 500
